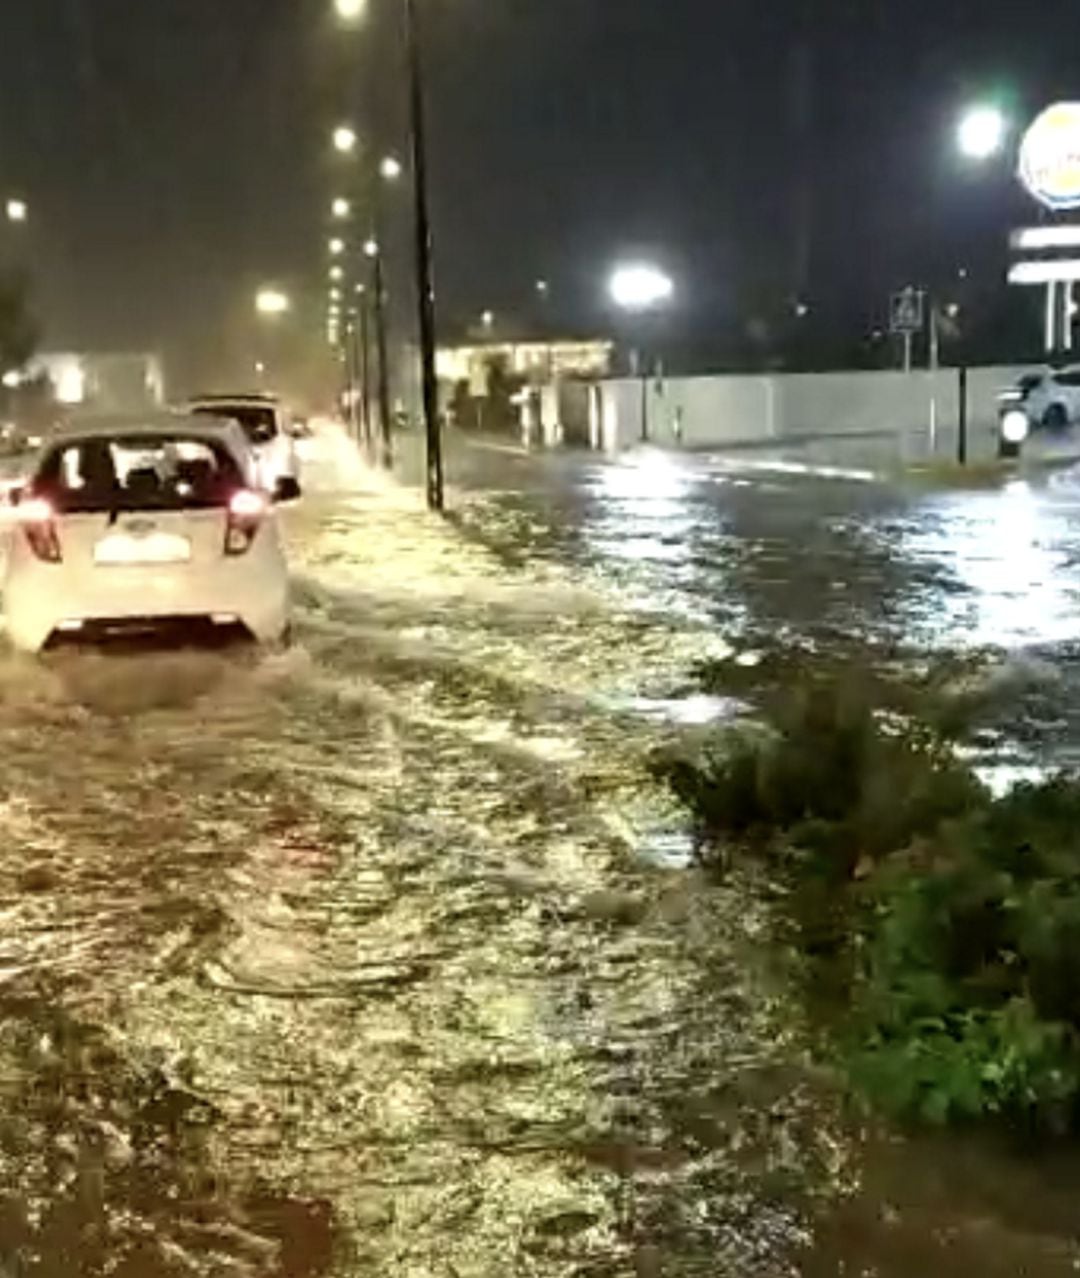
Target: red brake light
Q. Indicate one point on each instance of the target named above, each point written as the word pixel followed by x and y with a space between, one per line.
pixel 247 504
pixel 38 520
pixel 246 511
pixel 35 510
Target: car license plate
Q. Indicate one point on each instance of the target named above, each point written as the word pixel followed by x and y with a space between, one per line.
pixel 122 549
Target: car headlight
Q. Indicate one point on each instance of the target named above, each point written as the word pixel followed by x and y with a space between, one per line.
pixel 1015 426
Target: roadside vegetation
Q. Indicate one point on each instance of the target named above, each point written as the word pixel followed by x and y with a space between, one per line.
pixel 936 927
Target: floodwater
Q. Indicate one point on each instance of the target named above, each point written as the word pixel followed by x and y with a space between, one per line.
pixel 382 955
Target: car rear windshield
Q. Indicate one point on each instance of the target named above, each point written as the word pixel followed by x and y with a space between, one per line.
pixel 123 473
pixel 258 421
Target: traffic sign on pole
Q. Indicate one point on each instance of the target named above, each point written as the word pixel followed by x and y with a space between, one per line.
pixel 907 316
pixel 907 311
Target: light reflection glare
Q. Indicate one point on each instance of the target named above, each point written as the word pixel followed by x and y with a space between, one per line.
pixel 646 511
pixel 1005 548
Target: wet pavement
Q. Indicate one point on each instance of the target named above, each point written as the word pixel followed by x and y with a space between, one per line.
pixel 381 955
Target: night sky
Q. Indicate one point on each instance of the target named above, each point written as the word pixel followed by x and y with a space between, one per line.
pixel 174 152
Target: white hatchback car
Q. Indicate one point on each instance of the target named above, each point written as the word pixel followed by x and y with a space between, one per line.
pixel 267 425
pixel 129 526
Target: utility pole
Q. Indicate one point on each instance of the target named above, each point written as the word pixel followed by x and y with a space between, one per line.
pixel 365 366
pixel 350 375
pixel 425 284
pixel 386 455
pixel 934 362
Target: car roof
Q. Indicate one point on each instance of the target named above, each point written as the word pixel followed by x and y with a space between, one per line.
pixel 157 425
pixel 255 399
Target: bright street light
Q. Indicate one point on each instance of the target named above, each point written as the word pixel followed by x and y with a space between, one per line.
pixel 542 287
pixel 336 273
pixel 639 286
pixel 390 168
pixel 17 210
pixel 341 209
pixel 337 247
pixel 272 301
pixel 344 139
pixel 488 319
pixel 371 248
pixel 981 132
pixel 350 10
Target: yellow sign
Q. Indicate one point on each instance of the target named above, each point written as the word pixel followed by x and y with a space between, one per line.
pixel 1050 157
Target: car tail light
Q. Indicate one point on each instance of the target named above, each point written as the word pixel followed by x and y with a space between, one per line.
pixel 38 520
pixel 246 512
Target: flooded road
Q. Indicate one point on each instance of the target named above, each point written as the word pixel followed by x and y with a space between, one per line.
pixel 380 955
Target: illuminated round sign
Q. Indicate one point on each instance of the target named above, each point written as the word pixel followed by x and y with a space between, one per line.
pixel 1050 157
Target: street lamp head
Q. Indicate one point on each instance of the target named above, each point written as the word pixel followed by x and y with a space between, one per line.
pixel 361 289
pixel 340 209
pixel 371 248
pixel 543 288
pixel 488 319
pixel 981 132
pixel 350 10
pixel 272 302
pixel 639 286
pixel 336 273
pixel 17 210
pixel 344 139
pixel 390 168
pixel 337 247
pixel 335 295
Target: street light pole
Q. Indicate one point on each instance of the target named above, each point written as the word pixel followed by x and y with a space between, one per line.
pixel 425 284
pixel 351 374
pixel 365 365
pixel 378 283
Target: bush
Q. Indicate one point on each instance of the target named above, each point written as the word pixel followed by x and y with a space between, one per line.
pixel 833 779
pixel 969 995
pixel 970 1064
pixel 955 918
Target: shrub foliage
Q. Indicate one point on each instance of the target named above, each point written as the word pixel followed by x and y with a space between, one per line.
pixel 957 916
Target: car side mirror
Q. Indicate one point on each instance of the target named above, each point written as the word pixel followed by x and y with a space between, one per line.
pixel 287 488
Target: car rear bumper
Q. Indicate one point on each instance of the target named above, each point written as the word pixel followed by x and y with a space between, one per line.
pixel 38 615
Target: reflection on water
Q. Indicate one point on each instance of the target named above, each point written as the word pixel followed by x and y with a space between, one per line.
pixel 1010 551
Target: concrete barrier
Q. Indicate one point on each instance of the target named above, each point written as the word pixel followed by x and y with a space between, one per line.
pixel 915 414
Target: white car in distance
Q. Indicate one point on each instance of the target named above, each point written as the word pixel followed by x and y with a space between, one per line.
pixel 1051 398
pixel 268 427
pixel 131 527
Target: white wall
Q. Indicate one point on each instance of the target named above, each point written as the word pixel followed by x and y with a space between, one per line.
pixel 918 411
